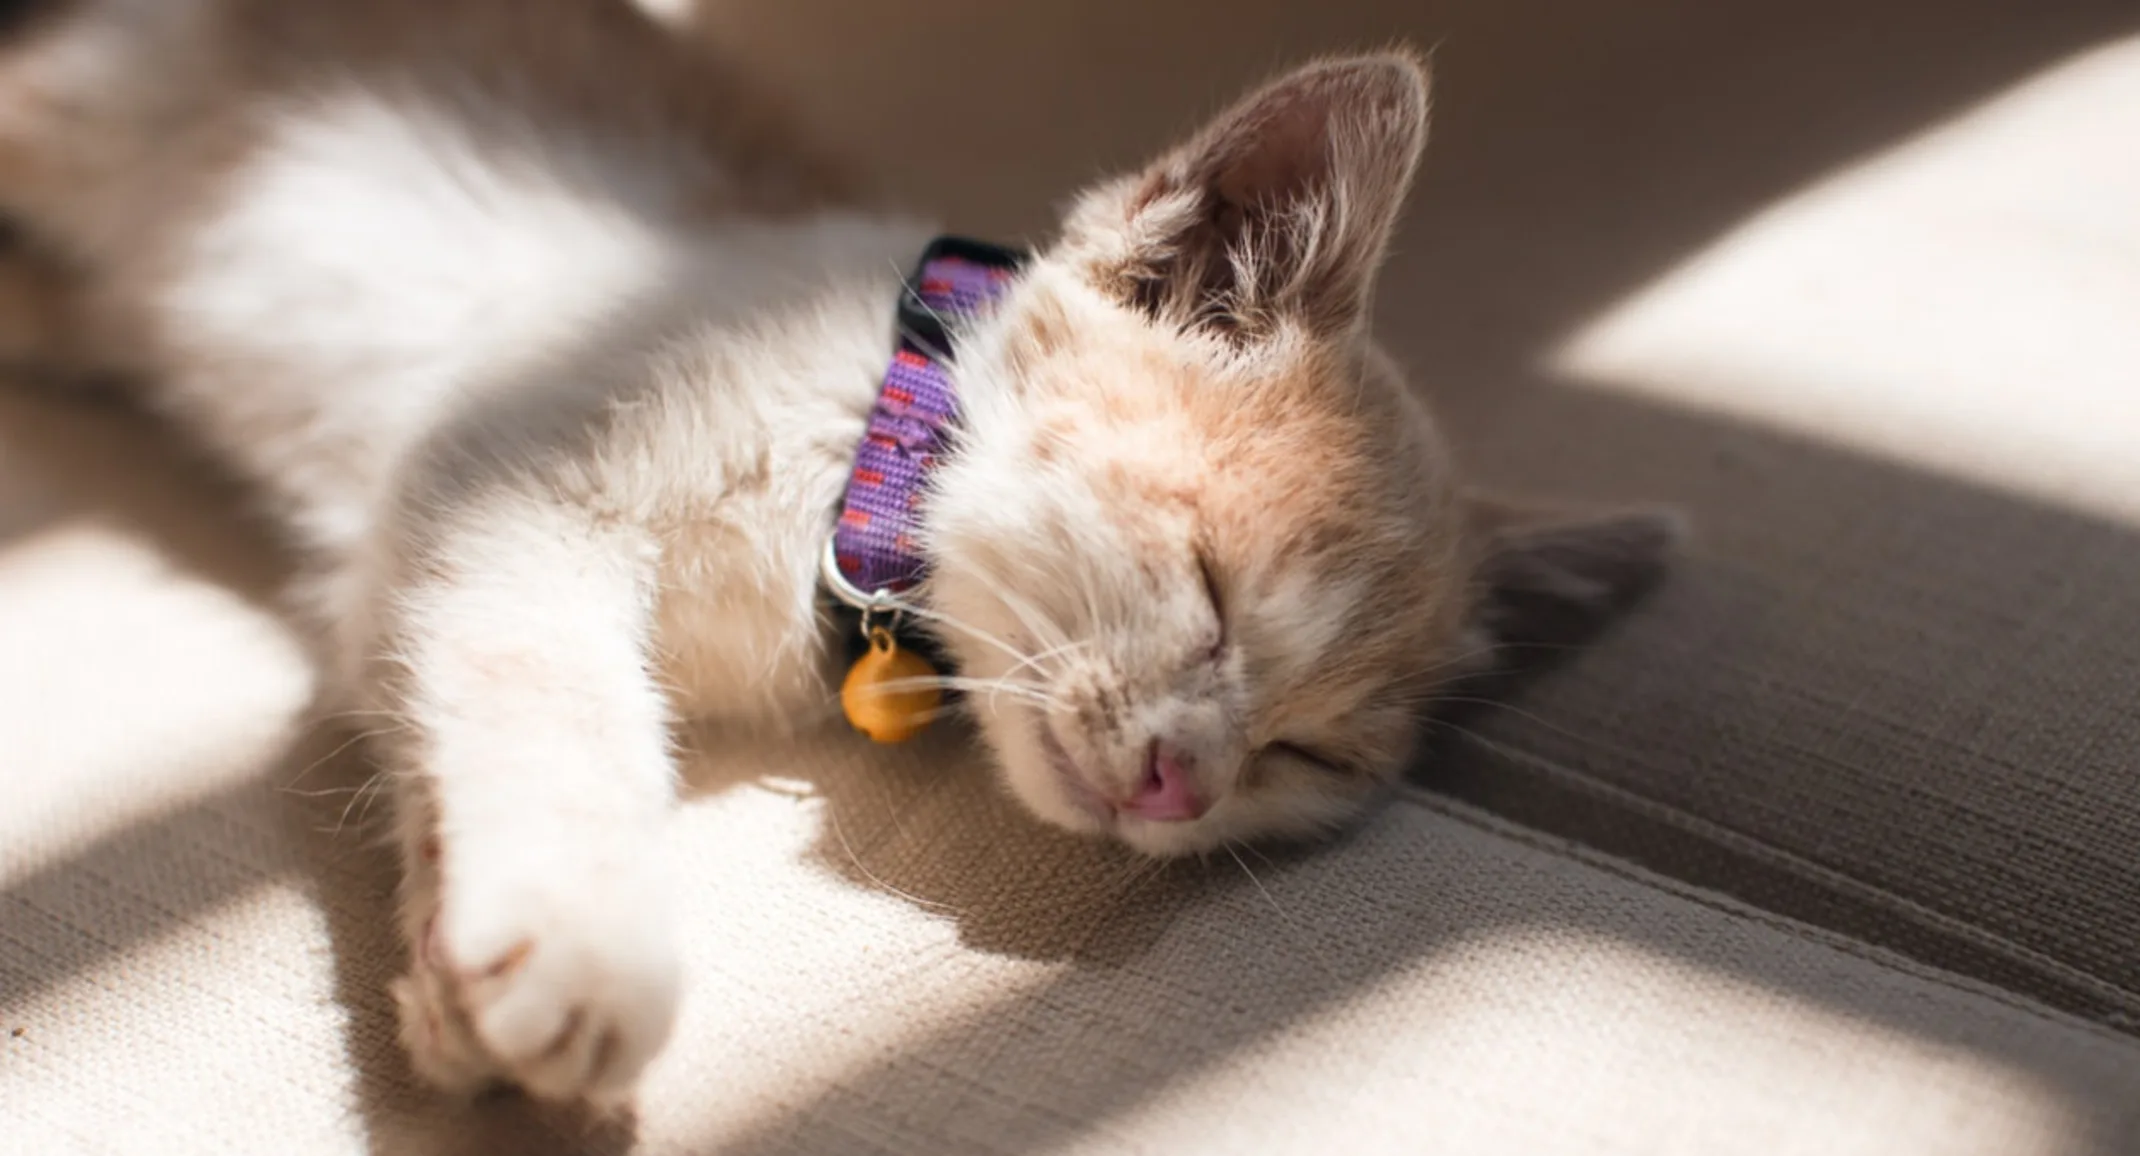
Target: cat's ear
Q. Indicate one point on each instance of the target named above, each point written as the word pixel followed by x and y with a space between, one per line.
pixel 1551 580
pixel 1280 210
pixel 1546 583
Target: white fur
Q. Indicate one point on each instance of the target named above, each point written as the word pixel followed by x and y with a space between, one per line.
pixel 561 446
pixel 383 269
pixel 382 277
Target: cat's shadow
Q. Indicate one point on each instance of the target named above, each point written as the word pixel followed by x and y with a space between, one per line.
pixel 926 823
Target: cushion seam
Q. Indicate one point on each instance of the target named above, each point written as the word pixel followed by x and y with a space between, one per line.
pixel 1722 904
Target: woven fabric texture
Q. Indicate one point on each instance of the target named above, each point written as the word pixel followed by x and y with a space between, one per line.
pixel 1854 286
pixel 885 957
pixel 1828 849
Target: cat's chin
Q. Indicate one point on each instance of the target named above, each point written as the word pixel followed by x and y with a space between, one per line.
pixel 1143 836
pixel 1168 840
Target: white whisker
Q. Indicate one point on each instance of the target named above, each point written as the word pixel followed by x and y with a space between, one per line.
pixel 1519 712
pixel 1029 616
pixel 370 790
pixel 1034 661
pixel 938 616
pixel 987 686
pixel 1298 933
pixel 833 820
pixel 344 745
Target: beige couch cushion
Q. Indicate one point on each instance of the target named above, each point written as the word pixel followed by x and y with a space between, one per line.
pixel 883 955
pixel 1884 697
pixel 1855 283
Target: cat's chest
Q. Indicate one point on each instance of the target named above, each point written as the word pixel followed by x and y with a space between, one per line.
pixel 743 458
pixel 739 636
pixel 740 632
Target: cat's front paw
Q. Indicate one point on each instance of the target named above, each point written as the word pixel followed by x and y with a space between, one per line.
pixel 559 978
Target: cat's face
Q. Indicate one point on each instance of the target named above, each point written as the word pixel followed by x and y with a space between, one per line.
pixel 1208 584
pixel 1199 547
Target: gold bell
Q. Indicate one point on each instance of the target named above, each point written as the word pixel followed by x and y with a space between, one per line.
pixel 885 695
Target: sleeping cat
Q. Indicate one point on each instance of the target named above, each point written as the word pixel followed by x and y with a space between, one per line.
pixel 552 353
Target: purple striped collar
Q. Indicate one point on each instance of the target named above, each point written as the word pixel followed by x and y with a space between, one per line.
pixel 872 562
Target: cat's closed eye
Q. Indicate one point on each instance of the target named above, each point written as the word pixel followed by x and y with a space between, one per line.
pixel 1217 646
pixel 1311 757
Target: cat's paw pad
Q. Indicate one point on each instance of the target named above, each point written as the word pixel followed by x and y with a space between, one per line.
pixel 563 982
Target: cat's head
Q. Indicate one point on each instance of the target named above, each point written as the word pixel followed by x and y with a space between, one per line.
pixel 1198 531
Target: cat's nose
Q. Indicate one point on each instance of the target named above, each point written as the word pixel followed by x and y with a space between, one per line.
pixel 1167 793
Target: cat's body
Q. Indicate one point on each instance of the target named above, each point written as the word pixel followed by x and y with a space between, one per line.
pixel 553 359
pixel 355 238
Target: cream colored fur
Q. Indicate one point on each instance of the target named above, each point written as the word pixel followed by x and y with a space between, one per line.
pixel 551 357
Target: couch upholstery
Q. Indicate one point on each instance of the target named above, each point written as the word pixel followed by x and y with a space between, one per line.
pixel 1829 848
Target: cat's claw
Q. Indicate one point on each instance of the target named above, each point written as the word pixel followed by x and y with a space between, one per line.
pixel 563 983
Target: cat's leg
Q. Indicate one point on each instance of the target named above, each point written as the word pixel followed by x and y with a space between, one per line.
pixel 530 746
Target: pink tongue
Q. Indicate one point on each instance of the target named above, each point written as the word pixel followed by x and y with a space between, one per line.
pixel 1166 796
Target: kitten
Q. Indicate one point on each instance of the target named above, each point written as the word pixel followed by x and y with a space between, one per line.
pixel 552 355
